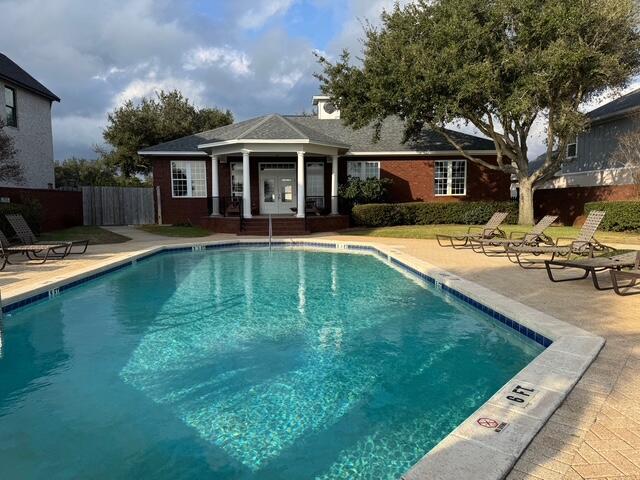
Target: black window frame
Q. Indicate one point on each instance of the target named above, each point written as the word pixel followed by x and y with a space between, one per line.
pixel 13 108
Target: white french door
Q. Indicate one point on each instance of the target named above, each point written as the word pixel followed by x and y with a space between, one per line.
pixel 277 188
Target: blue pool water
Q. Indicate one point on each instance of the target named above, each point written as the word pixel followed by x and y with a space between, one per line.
pixel 244 365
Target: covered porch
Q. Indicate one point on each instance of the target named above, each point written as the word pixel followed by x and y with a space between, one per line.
pixel 283 173
pixel 273 169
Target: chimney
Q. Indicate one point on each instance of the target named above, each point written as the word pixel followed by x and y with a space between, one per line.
pixel 326 109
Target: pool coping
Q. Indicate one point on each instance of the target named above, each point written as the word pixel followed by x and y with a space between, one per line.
pixel 489 442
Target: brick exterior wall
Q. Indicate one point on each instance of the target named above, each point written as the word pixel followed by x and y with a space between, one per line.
pixel 60 209
pixel 568 203
pixel 179 210
pixel 412 181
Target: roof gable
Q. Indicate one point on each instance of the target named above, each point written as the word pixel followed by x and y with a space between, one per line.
pixel 11 71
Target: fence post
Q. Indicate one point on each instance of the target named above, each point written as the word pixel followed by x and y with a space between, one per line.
pixel 159 203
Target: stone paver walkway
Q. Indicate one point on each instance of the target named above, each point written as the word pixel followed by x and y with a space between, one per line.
pixel 596 431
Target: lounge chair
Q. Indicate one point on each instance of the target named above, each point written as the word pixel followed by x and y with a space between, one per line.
pixel 497 246
pixel 489 230
pixel 27 237
pixel 632 275
pixel 591 266
pixel 583 244
pixel 40 252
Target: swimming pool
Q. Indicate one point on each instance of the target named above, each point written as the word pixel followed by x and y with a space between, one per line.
pixel 244 364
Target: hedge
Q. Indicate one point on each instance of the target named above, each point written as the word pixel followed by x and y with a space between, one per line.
pixel 620 217
pixel 421 213
pixel 31 211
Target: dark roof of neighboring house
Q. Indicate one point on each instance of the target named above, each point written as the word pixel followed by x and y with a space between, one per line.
pixel 620 106
pixel 12 72
pixel 324 132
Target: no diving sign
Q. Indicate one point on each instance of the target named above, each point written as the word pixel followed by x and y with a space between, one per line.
pixel 496 425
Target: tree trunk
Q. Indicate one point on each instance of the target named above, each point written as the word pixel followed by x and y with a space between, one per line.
pixel 525 203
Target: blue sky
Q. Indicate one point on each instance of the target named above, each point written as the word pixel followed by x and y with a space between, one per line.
pixel 250 56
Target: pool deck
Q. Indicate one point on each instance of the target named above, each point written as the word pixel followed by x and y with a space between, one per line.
pixel 595 433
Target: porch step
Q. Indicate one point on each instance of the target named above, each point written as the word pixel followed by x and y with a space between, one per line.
pixel 280 226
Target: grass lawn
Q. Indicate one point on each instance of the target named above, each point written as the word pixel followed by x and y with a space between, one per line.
pixel 430 231
pixel 175 231
pixel 96 235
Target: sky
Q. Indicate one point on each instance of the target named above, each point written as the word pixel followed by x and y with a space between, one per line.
pixel 250 56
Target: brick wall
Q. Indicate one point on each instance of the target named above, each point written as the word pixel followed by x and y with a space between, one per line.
pixel 568 203
pixel 60 209
pixel 413 180
pixel 179 210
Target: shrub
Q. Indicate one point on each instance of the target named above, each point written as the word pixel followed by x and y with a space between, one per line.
pixel 621 216
pixel 422 213
pixel 371 190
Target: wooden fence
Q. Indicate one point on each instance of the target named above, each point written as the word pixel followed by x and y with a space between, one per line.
pixel 117 206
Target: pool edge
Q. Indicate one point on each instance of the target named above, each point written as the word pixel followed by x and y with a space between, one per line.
pixel 473 449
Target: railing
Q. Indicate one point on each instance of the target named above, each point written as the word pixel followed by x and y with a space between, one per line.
pixel 227 207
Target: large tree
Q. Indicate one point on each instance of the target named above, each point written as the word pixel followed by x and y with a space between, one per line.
pixel 10 168
pixel 134 126
pixel 80 172
pixel 499 65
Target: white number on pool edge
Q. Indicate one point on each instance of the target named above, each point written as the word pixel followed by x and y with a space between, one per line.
pixel 521 395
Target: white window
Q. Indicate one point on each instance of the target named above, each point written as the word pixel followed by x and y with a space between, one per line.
pixel 188 179
pixel 363 169
pixel 315 183
pixel 572 149
pixel 450 177
pixel 236 179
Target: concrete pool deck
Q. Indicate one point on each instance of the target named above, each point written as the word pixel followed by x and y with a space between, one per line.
pixel 596 431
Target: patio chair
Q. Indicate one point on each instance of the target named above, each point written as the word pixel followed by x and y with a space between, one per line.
pixel 489 230
pixel 591 266
pixel 40 252
pixel 632 275
pixel 497 246
pixel 583 244
pixel 27 237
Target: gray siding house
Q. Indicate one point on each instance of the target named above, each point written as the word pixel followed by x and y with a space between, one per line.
pixel 26 113
pixel 592 154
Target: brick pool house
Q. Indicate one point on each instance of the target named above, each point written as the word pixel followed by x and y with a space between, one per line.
pixel 231 178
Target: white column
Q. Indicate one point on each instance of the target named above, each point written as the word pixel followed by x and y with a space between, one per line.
pixel 215 187
pixel 246 185
pixel 334 185
pixel 301 192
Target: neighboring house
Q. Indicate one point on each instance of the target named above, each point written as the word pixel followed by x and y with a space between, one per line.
pixel 27 116
pixel 288 165
pixel 591 173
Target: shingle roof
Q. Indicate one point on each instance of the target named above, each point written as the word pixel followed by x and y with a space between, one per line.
pixel 269 127
pixel 12 72
pixel 619 106
pixel 391 136
pixel 325 132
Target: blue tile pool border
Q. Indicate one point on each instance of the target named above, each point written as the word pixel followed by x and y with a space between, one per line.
pixel 518 327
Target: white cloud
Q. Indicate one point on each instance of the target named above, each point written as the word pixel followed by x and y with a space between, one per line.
pixel 259 15
pixel 287 80
pixel 149 86
pixel 109 73
pixel 224 57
